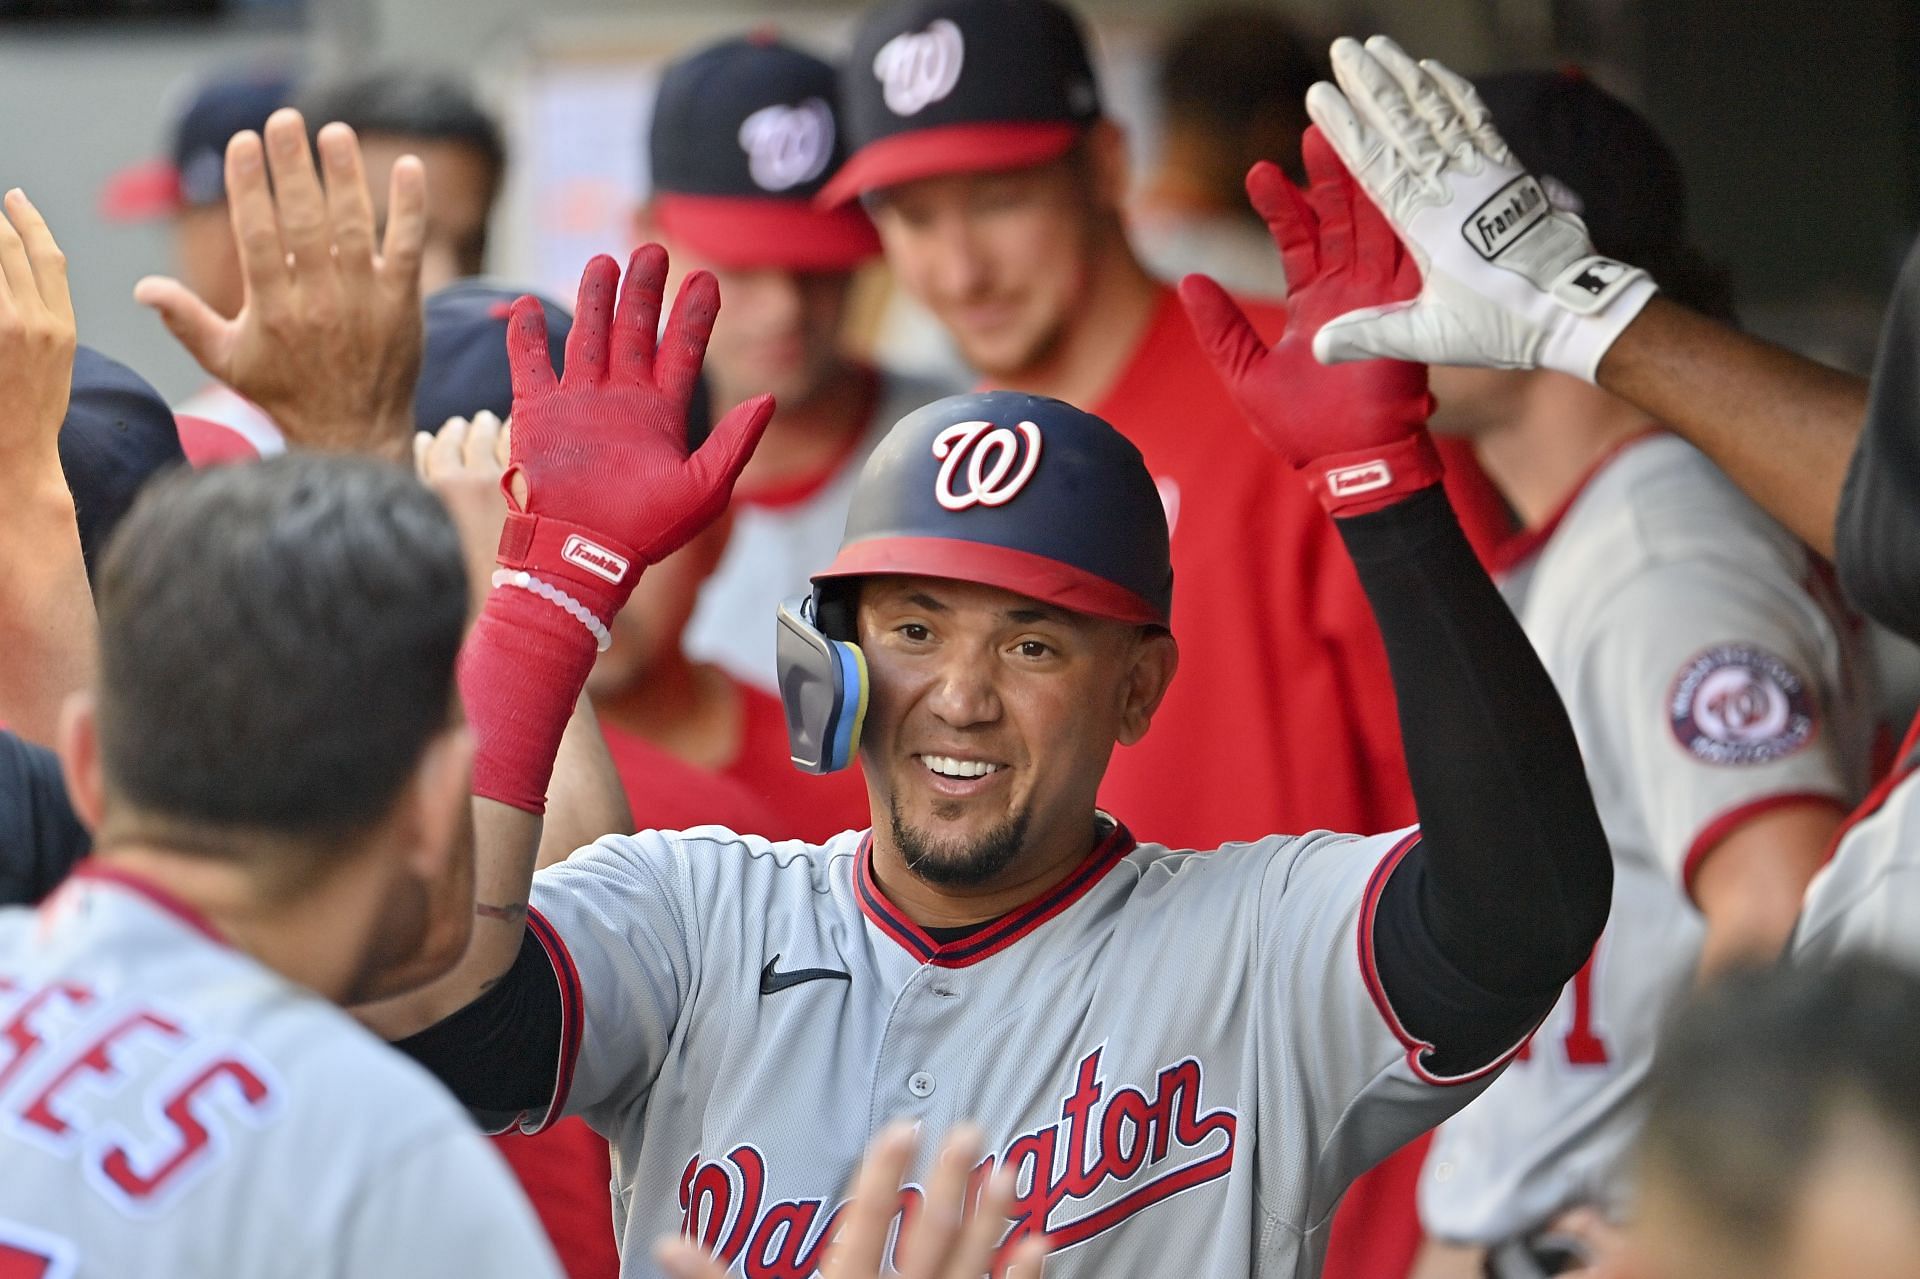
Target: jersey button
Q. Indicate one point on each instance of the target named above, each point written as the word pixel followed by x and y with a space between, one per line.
pixel 920 1084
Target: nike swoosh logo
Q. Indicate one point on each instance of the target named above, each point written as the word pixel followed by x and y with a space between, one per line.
pixel 772 981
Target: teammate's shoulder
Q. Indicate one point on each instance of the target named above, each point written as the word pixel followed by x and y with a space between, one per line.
pixel 1677 503
pixel 704 853
pixel 1246 859
pixel 1659 508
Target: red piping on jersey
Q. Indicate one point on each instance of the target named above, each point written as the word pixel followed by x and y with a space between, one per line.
pixel 802 488
pixel 572 1007
pixel 140 885
pixel 1517 549
pixel 1369 973
pixel 1904 766
pixel 1726 823
pixel 1000 935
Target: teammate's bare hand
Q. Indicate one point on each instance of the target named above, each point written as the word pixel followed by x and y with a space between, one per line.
pixel 462 462
pixel 328 340
pixel 943 1241
pixel 36 340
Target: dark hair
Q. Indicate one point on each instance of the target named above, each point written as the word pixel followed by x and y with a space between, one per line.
pixel 414 104
pixel 1242 73
pixel 1753 1072
pixel 277 644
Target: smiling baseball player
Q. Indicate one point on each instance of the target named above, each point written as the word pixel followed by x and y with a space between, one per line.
pixel 1183 1056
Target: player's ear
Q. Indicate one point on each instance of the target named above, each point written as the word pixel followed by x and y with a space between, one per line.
pixel 78 745
pixel 1155 657
pixel 1107 162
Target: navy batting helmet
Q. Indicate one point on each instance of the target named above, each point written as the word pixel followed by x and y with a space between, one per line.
pixel 1016 491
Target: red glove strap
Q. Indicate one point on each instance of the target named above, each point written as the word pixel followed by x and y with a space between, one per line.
pixel 1368 479
pixel 591 567
pixel 521 671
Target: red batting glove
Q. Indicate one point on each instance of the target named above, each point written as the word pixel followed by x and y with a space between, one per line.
pixel 1357 430
pixel 609 487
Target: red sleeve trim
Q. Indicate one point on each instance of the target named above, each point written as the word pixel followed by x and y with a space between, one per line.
pixel 572 1010
pixel 1726 823
pixel 1416 1047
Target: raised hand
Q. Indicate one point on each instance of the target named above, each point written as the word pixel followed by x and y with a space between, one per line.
pixel 599 472
pixel 37 340
pixel 1357 430
pixel 462 462
pixel 944 1240
pixel 328 340
pixel 1510 281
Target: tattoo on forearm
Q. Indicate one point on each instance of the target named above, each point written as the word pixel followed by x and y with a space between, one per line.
pixel 512 913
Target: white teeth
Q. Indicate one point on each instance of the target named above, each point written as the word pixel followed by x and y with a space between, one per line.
pixel 949 767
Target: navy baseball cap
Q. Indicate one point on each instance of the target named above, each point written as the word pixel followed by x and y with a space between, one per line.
pixel 1021 492
pixel 463 365
pixel 744 135
pixel 195 175
pixel 117 435
pixel 961 86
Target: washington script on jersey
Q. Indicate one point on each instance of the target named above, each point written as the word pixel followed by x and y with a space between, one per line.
pixel 1109 1157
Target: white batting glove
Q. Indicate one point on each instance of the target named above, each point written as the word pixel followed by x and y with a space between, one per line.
pixel 1509 280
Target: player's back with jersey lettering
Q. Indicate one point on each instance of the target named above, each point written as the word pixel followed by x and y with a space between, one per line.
pixel 1709 675
pixel 1180 1053
pixel 168 1106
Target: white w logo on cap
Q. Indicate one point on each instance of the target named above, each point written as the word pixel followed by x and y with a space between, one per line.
pixel 787 146
pixel 918 68
pixel 995 471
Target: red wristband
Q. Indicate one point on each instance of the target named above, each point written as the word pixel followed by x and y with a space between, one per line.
pixel 591 567
pixel 1364 480
pixel 521 671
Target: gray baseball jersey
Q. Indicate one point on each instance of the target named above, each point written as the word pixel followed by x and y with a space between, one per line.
pixel 1709 676
pixel 168 1106
pixel 779 540
pixel 1184 1056
pixel 1867 898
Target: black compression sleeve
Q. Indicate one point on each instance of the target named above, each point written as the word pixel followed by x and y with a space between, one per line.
pixel 500 1053
pixel 1502 900
pixel 1877 531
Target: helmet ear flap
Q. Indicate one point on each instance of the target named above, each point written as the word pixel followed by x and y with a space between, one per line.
pixel 823 688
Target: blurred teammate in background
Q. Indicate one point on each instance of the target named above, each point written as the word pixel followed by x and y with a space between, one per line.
pixel 743 136
pixel 189 188
pixel 1232 84
pixel 1716 683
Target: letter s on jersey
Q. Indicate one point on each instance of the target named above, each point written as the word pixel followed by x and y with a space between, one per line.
pixel 140 1172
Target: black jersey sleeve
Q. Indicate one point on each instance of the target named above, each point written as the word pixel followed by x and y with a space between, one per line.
pixel 1499 905
pixel 1877 530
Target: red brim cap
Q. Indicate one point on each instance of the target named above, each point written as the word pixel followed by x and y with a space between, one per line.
pixel 142 193
pixel 949 148
pixel 1022 572
pixel 750 233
